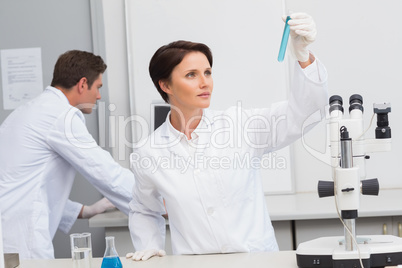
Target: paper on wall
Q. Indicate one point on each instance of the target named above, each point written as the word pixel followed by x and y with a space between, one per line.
pixel 22 78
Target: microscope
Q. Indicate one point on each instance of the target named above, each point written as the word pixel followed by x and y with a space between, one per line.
pixel 349 151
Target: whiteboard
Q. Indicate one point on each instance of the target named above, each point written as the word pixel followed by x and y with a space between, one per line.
pixel 244 37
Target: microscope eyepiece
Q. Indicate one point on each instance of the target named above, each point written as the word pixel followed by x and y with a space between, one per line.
pixel 356 102
pixel 335 103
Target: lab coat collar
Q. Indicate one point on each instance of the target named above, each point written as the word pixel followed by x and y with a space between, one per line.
pixel 170 137
pixel 63 97
pixel 168 131
pixel 58 93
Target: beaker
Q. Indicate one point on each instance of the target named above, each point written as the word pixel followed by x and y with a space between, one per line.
pixel 111 258
pixel 81 250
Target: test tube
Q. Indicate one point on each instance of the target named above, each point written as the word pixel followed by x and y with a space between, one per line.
pixel 284 42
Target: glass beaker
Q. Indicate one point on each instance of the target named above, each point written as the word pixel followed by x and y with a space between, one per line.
pixel 111 258
pixel 81 250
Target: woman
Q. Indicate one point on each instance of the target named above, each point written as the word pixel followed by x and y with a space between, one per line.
pixel 198 161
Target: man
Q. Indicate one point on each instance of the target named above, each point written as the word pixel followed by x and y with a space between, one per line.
pixel 43 143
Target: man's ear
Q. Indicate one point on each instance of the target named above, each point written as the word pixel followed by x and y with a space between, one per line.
pixel 82 84
pixel 164 85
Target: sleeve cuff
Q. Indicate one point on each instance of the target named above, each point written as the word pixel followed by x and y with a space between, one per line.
pixel 312 71
pixel 70 215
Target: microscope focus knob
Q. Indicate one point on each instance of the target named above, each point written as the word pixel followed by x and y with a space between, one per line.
pixel 325 188
pixel 370 187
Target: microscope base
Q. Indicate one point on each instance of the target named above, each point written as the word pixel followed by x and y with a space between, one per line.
pixel 329 252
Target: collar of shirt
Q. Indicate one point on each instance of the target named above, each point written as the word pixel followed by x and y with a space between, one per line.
pixel 192 145
pixel 180 135
pixel 200 136
pixel 63 97
pixel 58 93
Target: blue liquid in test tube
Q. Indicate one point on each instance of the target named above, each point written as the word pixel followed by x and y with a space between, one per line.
pixel 284 43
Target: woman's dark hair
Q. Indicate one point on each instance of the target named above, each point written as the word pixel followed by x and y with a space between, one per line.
pixel 74 65
pixel 167 57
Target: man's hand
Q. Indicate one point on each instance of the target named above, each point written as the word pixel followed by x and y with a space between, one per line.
pixel 96 208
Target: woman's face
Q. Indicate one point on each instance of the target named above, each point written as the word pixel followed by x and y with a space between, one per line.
pixel 191 83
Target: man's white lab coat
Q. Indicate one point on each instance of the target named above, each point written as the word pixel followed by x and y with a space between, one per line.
pixel 42 145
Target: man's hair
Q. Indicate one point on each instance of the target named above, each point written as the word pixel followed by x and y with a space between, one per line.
pixel 74 65
pixel 167 57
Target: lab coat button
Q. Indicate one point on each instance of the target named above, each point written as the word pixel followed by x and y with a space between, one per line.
pixel 210 211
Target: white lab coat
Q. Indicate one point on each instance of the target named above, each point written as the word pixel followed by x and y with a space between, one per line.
pixel 214 195
pixel 43 143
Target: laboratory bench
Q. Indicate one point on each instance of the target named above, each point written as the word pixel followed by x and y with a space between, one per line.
pixel 265 259
pixel 296 218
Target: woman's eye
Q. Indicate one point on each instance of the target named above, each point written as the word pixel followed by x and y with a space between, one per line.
pixel 208 73
pixel 190 74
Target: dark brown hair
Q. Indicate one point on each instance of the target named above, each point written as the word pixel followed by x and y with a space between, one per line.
pixel 74 65
pixel 167 57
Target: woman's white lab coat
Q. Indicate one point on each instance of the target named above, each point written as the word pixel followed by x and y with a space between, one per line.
pixel 43 143
pixel 213 194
